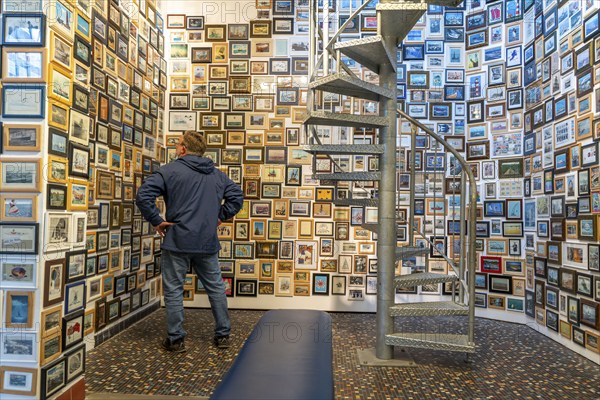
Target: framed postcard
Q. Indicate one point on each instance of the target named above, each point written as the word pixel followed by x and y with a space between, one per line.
pixel 23 29
pixel 194 23
pixel 23 101
pixel 19 309
pixel 23 64
pixel 18 381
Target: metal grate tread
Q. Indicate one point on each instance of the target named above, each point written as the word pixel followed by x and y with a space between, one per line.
pixel 357 202
pixel 350 176
pixel 399 18
pixel 369 51
pixel 344 148
pixel 351 86
pixel 438 341
pixel 404 252
pixel 338 119
pixel 445 3
pixel 422 278
pixel 371 227
pixel 431 308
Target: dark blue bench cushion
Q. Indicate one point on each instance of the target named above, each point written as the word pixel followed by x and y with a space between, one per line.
pixel 287 356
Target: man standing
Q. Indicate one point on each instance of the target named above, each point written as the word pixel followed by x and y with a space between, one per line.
pixel 198 197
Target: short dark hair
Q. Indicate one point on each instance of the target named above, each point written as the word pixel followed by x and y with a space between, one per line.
pixel 194 142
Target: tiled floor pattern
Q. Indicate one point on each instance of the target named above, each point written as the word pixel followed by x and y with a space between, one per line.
pixel 511 362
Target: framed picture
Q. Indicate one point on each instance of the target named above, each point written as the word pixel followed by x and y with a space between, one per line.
pixel 23 29
pixel 75 363
pixel 23 64
pixel 23 101
pixel 18 272
pixel 19 309
pixel 18 381
pixel 194 23
pixel 72 329
pixel 18 238
pixel 246 287
pixel 320 284
pixel 215 33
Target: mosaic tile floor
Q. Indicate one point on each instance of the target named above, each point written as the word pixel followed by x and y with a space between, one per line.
pixel 511 362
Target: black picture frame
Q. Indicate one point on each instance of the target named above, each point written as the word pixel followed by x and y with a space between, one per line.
pixel 246 287
pixel 56 197
pixel 48 390
pixel 66 332
pixel 16 249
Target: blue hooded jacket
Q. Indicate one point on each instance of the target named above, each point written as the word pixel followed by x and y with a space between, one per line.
pixel 193 190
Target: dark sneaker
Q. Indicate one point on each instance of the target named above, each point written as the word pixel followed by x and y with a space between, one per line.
pixel 222 342
pixel 176 347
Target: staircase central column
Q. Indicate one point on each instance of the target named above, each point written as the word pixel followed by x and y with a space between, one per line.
pixel 386 239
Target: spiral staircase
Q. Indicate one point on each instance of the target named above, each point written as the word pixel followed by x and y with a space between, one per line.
pixel 329 74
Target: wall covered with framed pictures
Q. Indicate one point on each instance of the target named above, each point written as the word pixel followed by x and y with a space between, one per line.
pixel 82 110
pixel 513 85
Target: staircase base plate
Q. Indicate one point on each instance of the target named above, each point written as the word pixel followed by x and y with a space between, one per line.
pixel 366 357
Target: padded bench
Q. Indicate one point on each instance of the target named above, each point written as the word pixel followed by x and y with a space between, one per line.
pixel 287 356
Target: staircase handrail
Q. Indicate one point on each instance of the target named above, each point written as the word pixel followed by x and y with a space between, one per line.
pixel 471 254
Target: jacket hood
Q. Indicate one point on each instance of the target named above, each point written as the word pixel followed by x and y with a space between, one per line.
pixel 201 164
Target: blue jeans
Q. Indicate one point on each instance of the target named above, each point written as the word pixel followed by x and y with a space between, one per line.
pixel 206 266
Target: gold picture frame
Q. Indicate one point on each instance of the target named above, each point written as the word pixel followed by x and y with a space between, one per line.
pixel 21 137
pixel 20 175
pixel 77 195
pixel 58 115
pixel 18 207
pixel 13 64
pixel 16 316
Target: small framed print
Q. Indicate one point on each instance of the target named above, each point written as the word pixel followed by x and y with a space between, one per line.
pixel 23 101
pixel 237 31
pixel 279 66
pixel 72 329
pixel 18 381
pixel 260 29
pixel 215 33
pixel 19 310
pixel 194 23
pixel 176 21
pixel 23 64
pixel 75 363
pixel 23 29
pixel 201 55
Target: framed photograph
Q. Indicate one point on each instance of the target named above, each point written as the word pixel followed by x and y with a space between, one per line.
pixel 260 29
pixel 24 29
pixel 72 329
pixel 18 381
pixel 194 23
pixel 75 363
pixel 23 64
pixel 23 101
pixel 18 272
pixel 320 284
pixel 19 309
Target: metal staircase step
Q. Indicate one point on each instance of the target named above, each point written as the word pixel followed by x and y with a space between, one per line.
pixel 434 341
pixel 371 227
pixel 344 148
pixel 422 278
pixel 370 51
pixel 405 252
pixel 445 3
pixel 357 202
pixel 351 86
pixel 350 176
pixel 337 119
pixel 400 17
pixel 431 308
